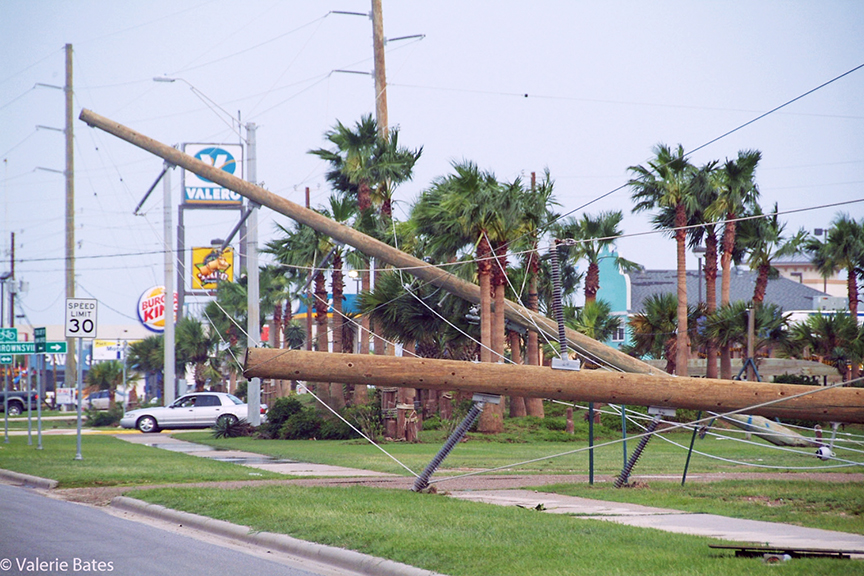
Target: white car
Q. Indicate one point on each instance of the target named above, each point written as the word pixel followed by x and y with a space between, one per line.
pixel 99 400
pixel 196 410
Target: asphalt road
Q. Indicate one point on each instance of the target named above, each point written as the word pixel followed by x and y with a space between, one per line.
pixel 68 538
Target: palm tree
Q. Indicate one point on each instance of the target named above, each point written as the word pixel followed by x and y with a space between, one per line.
pixel 654 330
pixel 147 357
pixel 728 325
pixel 298 250
pixel 593 234
pixel 106 375
pixel 536 217
pixel 667 182
pixel 737 192
pixel 833 338
pixel 196 346
pixel 596 321
pixel 468 208
pixel 763 239
pixel 843 249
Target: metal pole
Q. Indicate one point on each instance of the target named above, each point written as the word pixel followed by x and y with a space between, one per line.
pixel 170 381
pixel 751 329
pixel 40 387
pixel 29 400
pixel 6 401
pixel 181 259
pixel 253 322
pixel 624 430
pixel 79 398
pixel 690 451
pixel 591 443
pixel 69 369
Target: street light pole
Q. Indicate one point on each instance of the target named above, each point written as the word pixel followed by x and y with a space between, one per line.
pixel 253 322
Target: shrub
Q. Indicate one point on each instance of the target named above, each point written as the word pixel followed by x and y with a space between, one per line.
pixel 301 425
pixel 230 428
pixel 279 412
pixel 367 419
pixel 433 423
pixel 335 429
pixel 100 418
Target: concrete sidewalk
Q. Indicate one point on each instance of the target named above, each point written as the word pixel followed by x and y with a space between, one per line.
pixel 250 459
pixel 710 525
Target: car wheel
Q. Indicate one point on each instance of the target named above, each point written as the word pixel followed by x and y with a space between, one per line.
pixel 147 425
pixel 227 419
pixel 15 409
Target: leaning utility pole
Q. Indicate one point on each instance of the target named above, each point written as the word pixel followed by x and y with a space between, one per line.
pixel 381 251
pixel 70 370
pixel 380 73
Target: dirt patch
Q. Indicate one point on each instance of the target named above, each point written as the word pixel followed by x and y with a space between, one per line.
pixel 101 496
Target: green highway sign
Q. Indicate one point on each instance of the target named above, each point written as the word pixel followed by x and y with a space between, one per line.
pixel 30 348
pixel 8 334
pixel 39 339
pixel 6 359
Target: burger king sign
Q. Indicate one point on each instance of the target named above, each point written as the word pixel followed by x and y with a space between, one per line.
pixel 151 308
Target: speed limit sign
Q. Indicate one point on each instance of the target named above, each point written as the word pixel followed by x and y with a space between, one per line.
pixel 81 317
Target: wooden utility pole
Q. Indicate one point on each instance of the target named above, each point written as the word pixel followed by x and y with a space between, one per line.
pixel 380 69
pixel 369 246
pixel 70 373
pixel 834 404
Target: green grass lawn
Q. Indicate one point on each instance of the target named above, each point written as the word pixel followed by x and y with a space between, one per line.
pixel 469 539
pixel 108 461
pixel 659 457
pixel 831 506
pixel 20 422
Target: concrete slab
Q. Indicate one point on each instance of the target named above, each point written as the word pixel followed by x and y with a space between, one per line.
pixel 709 525
pixel 250 459
pixel 557 504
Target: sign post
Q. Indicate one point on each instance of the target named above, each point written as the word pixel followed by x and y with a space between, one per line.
pixel 7 335
pixel 80 323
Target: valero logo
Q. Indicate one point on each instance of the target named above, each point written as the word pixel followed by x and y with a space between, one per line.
pixel 226 157
pixel 218 158
pixel 151 308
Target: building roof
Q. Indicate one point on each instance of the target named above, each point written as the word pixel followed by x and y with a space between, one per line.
pixel 786 293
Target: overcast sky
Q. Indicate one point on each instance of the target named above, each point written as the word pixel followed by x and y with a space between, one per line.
pixel 583 88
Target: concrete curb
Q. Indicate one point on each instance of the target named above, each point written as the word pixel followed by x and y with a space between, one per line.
pixel 27 480
pixel 331 555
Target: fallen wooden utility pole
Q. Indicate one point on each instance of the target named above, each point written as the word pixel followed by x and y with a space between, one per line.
pixel 822 404
pixel 587 347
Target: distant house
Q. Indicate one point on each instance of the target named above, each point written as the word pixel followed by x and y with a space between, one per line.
pixel 627 292
pixel 800 268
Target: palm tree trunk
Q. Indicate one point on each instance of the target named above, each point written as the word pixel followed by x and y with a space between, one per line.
pixel 337 390
pixel 361 395
pixel 852 292
pixel 682 348
pixel 711 299
pixel 322 389
pixel 517 403
pixel 491 421
pixel 761 283
pixel 592 282
pixel 533 406
pixel 726 262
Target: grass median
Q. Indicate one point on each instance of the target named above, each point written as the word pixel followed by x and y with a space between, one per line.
pixel 660 457
pixel 108 461
pixel 469 539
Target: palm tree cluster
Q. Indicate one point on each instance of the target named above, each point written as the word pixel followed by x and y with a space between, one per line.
pixel 695 203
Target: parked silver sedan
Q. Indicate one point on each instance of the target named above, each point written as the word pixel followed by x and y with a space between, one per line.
pixel 196 410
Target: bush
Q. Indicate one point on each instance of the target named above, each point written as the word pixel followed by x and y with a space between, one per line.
pixel 301 425
pixel 433 423
pixel 335 429
pixel 230 428
pixel 100 418
pixel 367 419
pixel 279 412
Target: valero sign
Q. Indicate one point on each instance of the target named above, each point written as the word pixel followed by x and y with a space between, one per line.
pixel 151 308
pixel 198 190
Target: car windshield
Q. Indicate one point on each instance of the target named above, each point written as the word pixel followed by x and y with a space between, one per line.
pixel 234 399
